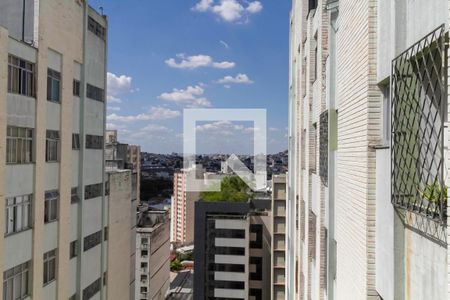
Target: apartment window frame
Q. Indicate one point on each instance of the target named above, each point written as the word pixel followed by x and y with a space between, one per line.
pixel 15 207
pixel 92 191
pixel 21 76
pixel 49 267
pixel 92 240
pixel 53 86
pixel 76 145
pixel 51 206
pixel 95 93
pixel 94 142
pixel 74 198
pixel 96 28
pixel 18 275
pixel 52 146
pixel 76 88
pixel 19 145
pixel 92 289
pixel 73 252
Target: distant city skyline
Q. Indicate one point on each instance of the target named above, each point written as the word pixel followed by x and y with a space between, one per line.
pixel 165 56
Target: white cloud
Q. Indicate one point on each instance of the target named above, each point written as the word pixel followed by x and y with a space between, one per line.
pixel 254 7
pixel 113 108
pixel 154 113
pixel 197 61
pixel 273 129
pixel 156 128
pixel 118 84
pixel 238 79
pixel 229 10
pixel 112 99
pixel 192 96
pixel 224 127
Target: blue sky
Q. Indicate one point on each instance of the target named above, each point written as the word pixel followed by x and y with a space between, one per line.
pixel 168 55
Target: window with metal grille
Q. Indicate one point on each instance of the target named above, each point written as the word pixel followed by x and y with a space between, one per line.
pixel 312 4
pixel 418 113
pixel 96 28
pixel 93 191
pixel 21 77
pixel 92 240
pixel 323 145
pixel 312 234
pixel 18 214
pixel 92 289
pixel 16 282
pixel 94 142
pixel 95 93
pixel 53 86
pixel 19 145
pixel 52 146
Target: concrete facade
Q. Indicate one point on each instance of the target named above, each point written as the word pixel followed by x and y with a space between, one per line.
pixel 182 211
pixel 232 251
pixel 152 255
pixel 63 43
pixel 361 246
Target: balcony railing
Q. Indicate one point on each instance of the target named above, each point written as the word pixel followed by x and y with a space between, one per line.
pixel 419 108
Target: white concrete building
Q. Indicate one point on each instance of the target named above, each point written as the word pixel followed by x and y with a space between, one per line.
pixel 368 150
pixel 152 255
pixel 52 179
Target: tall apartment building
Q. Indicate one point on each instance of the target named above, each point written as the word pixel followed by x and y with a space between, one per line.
pixel 182 211
pixel 368 172
pixel 278 237
pixel 152 255
pixel 52 179
pixel 232 251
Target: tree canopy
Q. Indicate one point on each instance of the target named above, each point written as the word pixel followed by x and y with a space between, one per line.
pixel 232 189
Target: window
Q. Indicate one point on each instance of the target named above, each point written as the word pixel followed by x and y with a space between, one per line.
pixel 312 5
pixel 49 266
pixel 257 261
pixel 16 282
pixel 73 249
pixel 105 233
pixel 386 116
pixel 51 206
pixel 105 277
pixel 21 77
pixel 144 253
pixel 74 196
pixel 19 145
pixel 96 28
pixel 93 191
pixel 95 93
pixel 92 240
pixel 73 297
pixel 52 146
pixel 257 230
pixel 18 214
pixel 76 88
pixel 94 142
pixel 75 141
pixel 53 86
pixel 92 289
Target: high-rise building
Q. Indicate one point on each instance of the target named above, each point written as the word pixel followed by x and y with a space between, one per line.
pixel 152 255
pixel 182 211
pixel 278 237
pixel 123 168
pixel 52 179
pixel 232 250
pixel 368 174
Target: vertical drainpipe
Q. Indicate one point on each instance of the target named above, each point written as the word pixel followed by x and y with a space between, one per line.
pixel 81 155
pixel 105 218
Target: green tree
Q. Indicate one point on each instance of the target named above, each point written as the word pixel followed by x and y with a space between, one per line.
pixel 232 189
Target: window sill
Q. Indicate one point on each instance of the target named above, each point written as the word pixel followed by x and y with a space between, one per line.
pixel 52 162
pixel 26 96
pixel 17 232
pixel 381 147
pixel 49 222
pixel 50 282
pixel 16 164
pixel 56 102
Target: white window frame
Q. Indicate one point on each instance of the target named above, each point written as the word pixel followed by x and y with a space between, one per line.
pixel 19 145
pixel 16 282
pixel 18 214
pixel 51 206
pixel 49 267
pixel 52 146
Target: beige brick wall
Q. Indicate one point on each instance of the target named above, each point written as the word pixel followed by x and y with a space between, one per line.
pixel 3 88
pixel 358 129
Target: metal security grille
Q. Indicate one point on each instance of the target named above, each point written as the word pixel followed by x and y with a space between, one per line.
pixel 418 114
pixel 323 150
